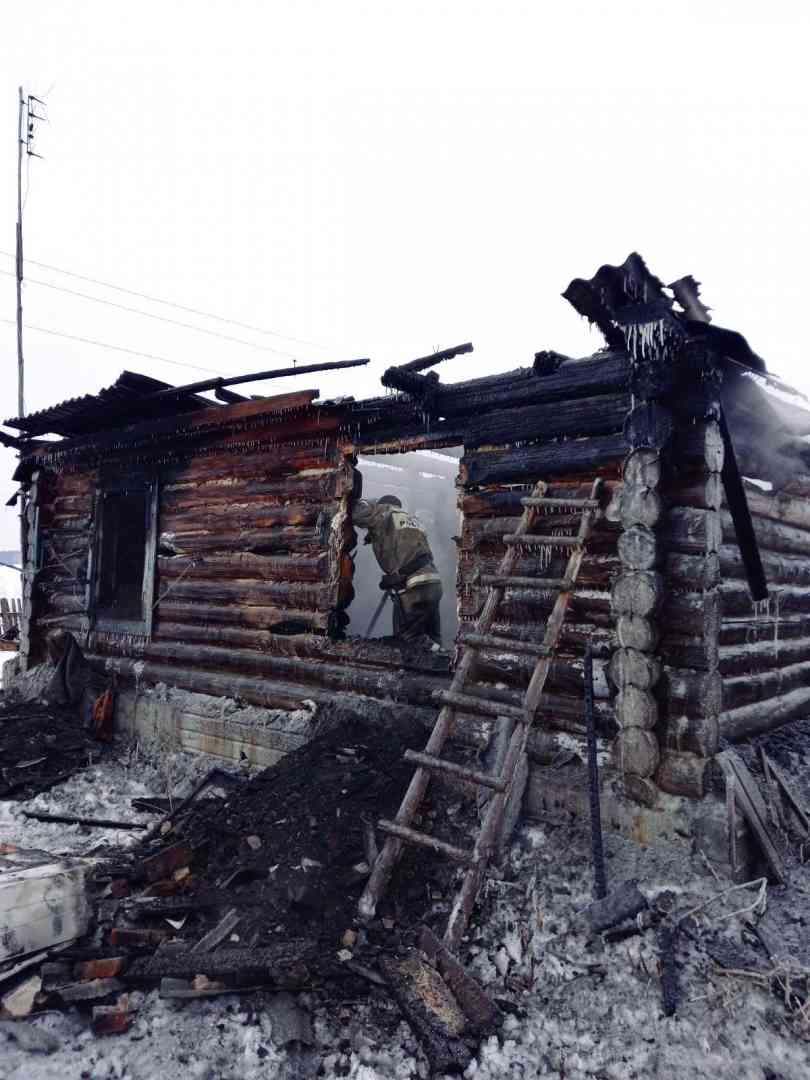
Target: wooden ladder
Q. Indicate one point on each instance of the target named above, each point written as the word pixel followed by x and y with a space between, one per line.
pixel 429 762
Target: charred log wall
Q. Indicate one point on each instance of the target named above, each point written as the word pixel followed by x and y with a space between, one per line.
pixel 64 504
pixel 764 648
pixel 690 690
pixel 491 510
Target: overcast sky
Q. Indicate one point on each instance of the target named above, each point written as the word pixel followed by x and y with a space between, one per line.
pixel 382 180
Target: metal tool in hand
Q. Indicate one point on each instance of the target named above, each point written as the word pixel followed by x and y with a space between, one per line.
pixel 376 616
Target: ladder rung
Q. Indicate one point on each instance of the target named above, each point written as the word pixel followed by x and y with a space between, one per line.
pixel 473 776
pixel 413 836
pixel 478 704
pixel 497 581
pixel 538 539
pixel 580 504
pixel 513 645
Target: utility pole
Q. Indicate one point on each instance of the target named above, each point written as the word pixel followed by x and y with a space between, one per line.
pixel 25 138
pixel 20 363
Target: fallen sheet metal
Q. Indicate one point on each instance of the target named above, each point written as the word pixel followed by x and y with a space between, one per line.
pixel 42 902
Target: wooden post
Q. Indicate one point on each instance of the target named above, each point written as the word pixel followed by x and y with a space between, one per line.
pixel 638 591
pixel 690 692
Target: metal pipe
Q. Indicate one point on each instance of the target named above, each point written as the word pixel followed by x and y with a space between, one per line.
pixel 597 851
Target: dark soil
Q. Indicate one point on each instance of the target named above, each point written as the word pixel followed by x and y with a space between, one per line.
pixel 40 746
pixel 288 848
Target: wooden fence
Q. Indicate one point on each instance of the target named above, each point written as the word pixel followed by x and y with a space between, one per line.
pixel 10 618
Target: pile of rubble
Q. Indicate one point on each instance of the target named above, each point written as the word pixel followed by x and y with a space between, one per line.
pixel 222 940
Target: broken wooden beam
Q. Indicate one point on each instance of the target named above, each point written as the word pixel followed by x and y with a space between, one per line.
pixel 286 962
pixel 432 1011
pixel 752 807
pixel 75 819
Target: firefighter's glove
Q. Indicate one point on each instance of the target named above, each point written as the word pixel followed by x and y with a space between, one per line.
pixel 392 582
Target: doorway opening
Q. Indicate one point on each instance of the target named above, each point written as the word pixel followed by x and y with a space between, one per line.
pixel 424 481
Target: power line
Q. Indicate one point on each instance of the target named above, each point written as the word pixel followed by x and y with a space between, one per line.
pixel 150 315
pixel 171 303
pixel 116 348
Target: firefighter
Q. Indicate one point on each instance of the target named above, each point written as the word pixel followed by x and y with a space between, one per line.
pixel 409 572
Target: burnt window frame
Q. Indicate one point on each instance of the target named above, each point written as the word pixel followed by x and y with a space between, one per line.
pixel 103 618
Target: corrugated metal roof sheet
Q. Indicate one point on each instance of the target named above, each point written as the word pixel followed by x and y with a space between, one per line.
pixel 128 400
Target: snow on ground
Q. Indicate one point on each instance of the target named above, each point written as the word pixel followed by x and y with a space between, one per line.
pixel 575 1007
pixel 102 790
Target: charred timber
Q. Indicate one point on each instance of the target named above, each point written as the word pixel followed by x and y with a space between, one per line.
pixel 606 373
pixel 507 503
pixel 250 593
pixel 737 724
pixel 763 688
pixel 284 620
pixel 582 416
pixel 780 569
pixel 600 455
pixel 763 656
pixel 275 541
pixel 240 565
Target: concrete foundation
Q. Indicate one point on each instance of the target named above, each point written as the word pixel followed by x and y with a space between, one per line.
pixel 225 728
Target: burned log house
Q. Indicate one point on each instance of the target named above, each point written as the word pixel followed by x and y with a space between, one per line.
pixel 206 549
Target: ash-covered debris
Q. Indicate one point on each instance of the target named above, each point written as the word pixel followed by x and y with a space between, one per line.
pixel 204 960
pixel 41 745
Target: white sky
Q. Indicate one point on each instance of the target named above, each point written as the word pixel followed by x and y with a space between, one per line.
pixel 388 179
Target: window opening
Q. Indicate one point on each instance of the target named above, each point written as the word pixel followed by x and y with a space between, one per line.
pixel 125 557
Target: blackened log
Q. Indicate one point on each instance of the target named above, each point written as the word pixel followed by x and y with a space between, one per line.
pixel 648 425
pixel 282 540
pixel 682 773
pixel 738 724
pixel 347 678
pixel 256 467
pixel 780 569
pixel 692 532
pixel 606 373
pixel 695 692
pixel 700 443
pixel 358 652
pixel 582 416
pixel 481 1012
pixel 284 620
pixel 242 565
pixel 763 688
pixel 289 963
pixel 432 1011
pixel 765 655
pixel 506 502
pixel 601 454
pixel 250 593
pixel 314 486
pixel 236 516
pixel 423 362
pixel 785 599
pixel 770 534
pixel 268 694
pixel 625 902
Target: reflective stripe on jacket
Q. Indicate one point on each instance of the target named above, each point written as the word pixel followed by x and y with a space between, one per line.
pixel 398 539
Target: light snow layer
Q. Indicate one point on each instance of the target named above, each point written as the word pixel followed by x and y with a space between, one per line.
pixel 581 1010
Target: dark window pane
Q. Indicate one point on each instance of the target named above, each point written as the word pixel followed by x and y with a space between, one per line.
pixel 123 547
